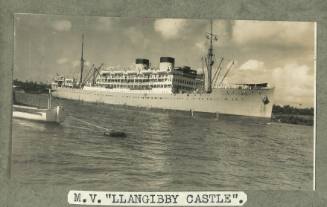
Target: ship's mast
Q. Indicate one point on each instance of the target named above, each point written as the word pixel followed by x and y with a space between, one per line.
pixel 82 62
pixel 210 60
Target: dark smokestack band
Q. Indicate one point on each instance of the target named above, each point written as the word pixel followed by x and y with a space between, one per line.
pixel 142 61
pixel 167 60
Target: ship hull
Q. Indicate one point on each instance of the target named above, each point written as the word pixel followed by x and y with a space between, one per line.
pixel 232 101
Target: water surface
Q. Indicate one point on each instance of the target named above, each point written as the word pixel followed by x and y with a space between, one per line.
pixel 162 151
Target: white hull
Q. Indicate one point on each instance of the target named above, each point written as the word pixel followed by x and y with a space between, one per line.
pixel 234 101
pixel 54 114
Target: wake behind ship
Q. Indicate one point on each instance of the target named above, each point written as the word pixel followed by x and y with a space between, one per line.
pixel 168 87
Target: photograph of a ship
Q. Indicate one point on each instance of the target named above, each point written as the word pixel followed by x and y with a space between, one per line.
pixel 163 104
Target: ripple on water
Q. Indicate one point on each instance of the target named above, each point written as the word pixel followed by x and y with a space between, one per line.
pixel 163 150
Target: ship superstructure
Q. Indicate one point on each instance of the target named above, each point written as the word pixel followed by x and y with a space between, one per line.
pixel 166 79
pixel 168 87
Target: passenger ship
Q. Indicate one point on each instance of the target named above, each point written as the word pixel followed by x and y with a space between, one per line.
pixel 168 87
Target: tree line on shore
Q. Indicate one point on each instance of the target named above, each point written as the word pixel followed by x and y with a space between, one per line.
pixel 293 115
pixel 287 109
pixel 32 86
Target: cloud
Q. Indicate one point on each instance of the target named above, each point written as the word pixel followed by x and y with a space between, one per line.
pixel 62 25
pixel 223 29
pixel 293 76
pixel 134 35
pixel 294 84
pixel 103 24
pixel 87 63
pixel 61 61
pixel 253 65
pixel 77 63
pixel 201 45
pixel 170 28
pixel 270 33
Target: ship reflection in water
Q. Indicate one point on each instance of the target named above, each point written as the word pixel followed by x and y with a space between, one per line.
pixel 163 151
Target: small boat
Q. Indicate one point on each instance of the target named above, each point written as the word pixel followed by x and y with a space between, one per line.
pixel 115 134
pixel 50 114
pixel 54 114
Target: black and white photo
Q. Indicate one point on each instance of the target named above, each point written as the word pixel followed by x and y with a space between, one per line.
pixel 163 104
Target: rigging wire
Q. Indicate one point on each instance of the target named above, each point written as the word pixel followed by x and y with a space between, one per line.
pixel 228 70
pixel 91 124
pixel 217 73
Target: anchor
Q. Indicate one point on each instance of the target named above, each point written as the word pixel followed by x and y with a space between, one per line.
pixel 265 100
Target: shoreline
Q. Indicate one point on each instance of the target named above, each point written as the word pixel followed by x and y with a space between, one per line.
pixel 296 119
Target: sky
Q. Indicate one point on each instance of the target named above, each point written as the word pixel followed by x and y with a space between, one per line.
pixel 280 53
